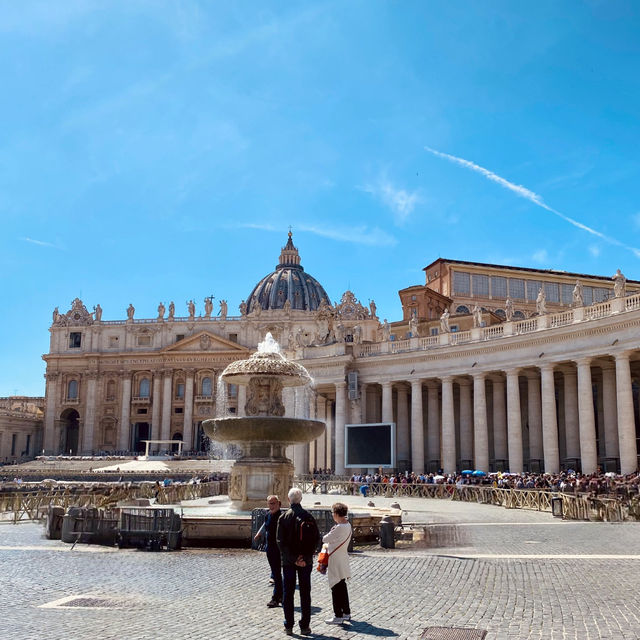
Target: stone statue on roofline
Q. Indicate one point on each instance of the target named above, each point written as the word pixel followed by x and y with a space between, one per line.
pixel 130 311
pixel 508 309
pixel 413 326
pixel 541 302
pixel 243 308
pixel 578 295
pixel 161 311
pixel 172 310
pixel 444 322
pixel 477 315
pixel 386 331
pixel 223 309
pixel 619 284
pixel 208 306
pixel 97 310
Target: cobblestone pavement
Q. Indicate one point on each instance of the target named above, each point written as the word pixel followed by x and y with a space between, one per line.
pixel 517 574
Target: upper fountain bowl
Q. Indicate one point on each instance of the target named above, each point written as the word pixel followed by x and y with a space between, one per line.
pixel 267 361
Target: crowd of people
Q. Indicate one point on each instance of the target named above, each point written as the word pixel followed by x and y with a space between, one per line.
pixel 569 481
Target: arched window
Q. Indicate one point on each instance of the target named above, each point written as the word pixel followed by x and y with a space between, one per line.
pixel 462 309
pixel 501 313
pixel 144 388
pixel 518 315
pixel 72 390
pixel 111 390
pixel 206 387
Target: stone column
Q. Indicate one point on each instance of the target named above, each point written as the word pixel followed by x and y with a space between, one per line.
pixel 499 420
pixel 187 425
pixel 124 429
pixel 387 402
pixel 448 457
pixel 329 433
pixel 341 402
pixel 165 433
pixel 571 413
pixel 363 402
pixel 514 422
pixel 50 413
pixel 626 419
pixel 480 431
pixel 417 428
pixel 534 416
pixel 156 405
pixel 466 421
pixel 321 450
pixel 549 420
pixel 90 416
pixel 433 422
pixel 610 411
pixel 586 416
pixel 402 432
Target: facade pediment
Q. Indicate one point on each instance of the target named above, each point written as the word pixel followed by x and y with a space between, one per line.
pixel 206 341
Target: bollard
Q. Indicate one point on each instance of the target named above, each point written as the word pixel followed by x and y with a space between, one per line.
pixel 387 528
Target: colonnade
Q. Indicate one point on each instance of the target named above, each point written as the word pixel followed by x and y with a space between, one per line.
pixel 537 418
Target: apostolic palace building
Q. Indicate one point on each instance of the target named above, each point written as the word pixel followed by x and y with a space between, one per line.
pixel 491 368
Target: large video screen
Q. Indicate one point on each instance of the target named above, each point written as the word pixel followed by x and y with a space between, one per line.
pixel 370 445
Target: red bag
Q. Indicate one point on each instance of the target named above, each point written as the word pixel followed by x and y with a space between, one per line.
pixel 323 561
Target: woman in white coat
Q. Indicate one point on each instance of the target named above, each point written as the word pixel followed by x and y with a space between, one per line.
pixel 337 541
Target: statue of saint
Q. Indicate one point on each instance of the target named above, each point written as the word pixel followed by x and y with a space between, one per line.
pixel 578 295
pixel 444 322
pixel 223 309
pixel 477 315
pixel 357 334
pixel 130 311
pixel 541 302
pixel 98 312
pixel 338 331
pixel 619 284
pixel 508 309
pixel 386 331
pixel 161 311
pixel 191 305
pixel 372 306
pixel 56 315
pixel 172 310
pixel 413 326
pixel 243 308
pixel 208 307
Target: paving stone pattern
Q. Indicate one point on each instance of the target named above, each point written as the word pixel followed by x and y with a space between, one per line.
pixel 202 594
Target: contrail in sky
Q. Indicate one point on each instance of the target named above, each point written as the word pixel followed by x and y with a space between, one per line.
pixel 527 194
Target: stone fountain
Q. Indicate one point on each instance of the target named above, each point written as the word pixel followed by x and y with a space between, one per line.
pixel 263 433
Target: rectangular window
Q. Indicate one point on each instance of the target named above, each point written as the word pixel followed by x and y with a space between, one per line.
pixel 142 411
pixel 113 341
pixel 14 442
pixel 232 390
pixel 180 390
pixel 566 290
pixel 533 286
pixel 178 410
pixel 601 294
pixel 144 341
pixel 434 331
pixel 480 286
pixel 75 339
pixel 454 328
pixel 498 287
pixel 551 291
pixel 516 289
pixel 587 295
pixel 461 283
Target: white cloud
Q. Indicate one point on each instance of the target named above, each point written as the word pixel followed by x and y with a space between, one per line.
pixel 635 218
pixel 41 243
pixel 541 256
pixel 400 201
pixel 527 194
pixel 594 250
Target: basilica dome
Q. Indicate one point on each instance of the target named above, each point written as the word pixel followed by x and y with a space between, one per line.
pixel 289 282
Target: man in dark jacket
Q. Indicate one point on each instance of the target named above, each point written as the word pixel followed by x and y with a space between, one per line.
pixel 297 562
pixel 268 530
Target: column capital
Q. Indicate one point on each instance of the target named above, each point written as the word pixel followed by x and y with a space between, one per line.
pixel 446 379
pixel 341 384
pixel 585 361
pixel 512 372
pixel 546 366
pixel 622 355
pixel 386 383
pixel 416 383
pixel 479 375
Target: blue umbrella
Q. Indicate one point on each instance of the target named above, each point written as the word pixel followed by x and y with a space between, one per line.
pixel 467 472
pixel 477 472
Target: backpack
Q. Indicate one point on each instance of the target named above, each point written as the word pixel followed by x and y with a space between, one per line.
pixel 307 534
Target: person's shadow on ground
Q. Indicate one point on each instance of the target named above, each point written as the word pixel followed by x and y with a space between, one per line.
pixel 364 628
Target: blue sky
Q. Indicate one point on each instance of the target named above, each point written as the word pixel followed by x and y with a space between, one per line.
pixel 154 150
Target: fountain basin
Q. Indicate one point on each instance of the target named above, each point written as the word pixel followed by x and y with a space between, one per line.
pixel 266 429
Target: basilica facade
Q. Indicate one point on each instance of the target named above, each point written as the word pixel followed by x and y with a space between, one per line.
pixel 491 367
